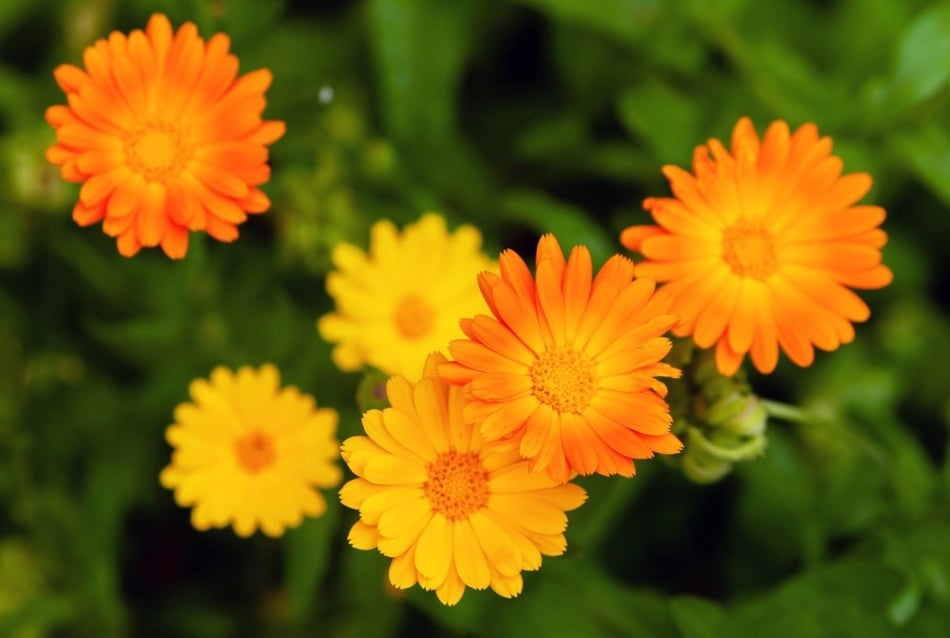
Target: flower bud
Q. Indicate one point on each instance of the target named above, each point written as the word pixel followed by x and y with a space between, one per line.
pixel 721 421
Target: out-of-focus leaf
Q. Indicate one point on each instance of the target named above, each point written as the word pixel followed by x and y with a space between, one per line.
pixel 143 339
pixel 365 605
pixel 561 133
pixel 867 595
pixel 570 225
pixel 775 508
pixel 308 550
pixel 38 617
pixel 622 162
pixel 608 499
pixel 420 47
pixel 848 598
pixel 239 18
pixel 571 597
pixel 921 69
pixel 698 618
pixel 464 617
pixel 666 119
pixel 781 77
pixel 927 152
pixel 10 12
pixel 915 477
pixel 905 605
pixel 623 19
pixel 15 102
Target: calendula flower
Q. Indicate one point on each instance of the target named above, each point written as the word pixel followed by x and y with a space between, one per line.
pixel 760 246
pixel 565 371
pixel 163 136
pixel 403 300
pixel 250 453
pixel 449 510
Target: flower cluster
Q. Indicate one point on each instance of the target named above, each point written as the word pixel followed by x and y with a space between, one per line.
pixel 465 475
pixel 449 509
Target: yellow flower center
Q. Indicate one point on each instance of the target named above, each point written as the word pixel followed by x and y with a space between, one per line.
pixel 564 379
pixel 457 485
pixel 749 249
pixel 157 150
pixel 413 317
pixel 255 451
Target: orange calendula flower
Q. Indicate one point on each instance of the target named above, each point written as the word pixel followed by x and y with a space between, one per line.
pixel 251 453
pixel 565 371
pixel 164 137
pixel 450 511
pixel 760 245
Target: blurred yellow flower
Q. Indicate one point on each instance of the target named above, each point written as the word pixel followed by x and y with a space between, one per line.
pixel 761 245
pixel 404 299
pixel 163 136
pixel 451 512
pixel 250 453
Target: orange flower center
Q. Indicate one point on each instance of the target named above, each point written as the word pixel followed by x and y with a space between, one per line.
pixel 157 150
pixel 457 485
pixel 255 451
pixel 564 379
pixel 749 249
pixel 413 317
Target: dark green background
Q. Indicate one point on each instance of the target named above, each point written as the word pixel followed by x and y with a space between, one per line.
pixel 519 117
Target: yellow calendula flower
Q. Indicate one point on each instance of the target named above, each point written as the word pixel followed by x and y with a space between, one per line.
pixel 251 453
pixel 404 298
pixel 450 511
pixel 163 136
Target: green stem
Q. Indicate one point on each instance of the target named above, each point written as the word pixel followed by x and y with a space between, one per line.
pixel 794 414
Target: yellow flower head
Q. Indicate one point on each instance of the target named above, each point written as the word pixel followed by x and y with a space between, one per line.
pixel 760 246
pixel 451 512
pixel 403 300
pixel 250 453
pixel 164 137
pixel 566 369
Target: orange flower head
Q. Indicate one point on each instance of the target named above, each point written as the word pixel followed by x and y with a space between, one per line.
pixel 760 246
pixel 163 136
pixel 565 371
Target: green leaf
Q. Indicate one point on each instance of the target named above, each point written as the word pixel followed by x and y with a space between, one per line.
pixel 38 617
pixel 551 136
pixel 420 48
pixel 775 509
pixel 571 225
pixel 927 152
pixel 10 12
pixel 848 598
pixel 307 555
pixel 698 617
pixel 905 605
pixel 663 117
pixel 623 19
pixel 921 64
pixel 573 597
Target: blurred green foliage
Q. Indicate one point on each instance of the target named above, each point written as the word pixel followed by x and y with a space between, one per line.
pixel 519 116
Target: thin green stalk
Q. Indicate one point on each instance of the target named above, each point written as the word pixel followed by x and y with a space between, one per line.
pixel 794 414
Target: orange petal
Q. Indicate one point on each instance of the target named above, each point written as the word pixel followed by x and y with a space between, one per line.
pixel 88 215
pixel 152 218
pixel 175 241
